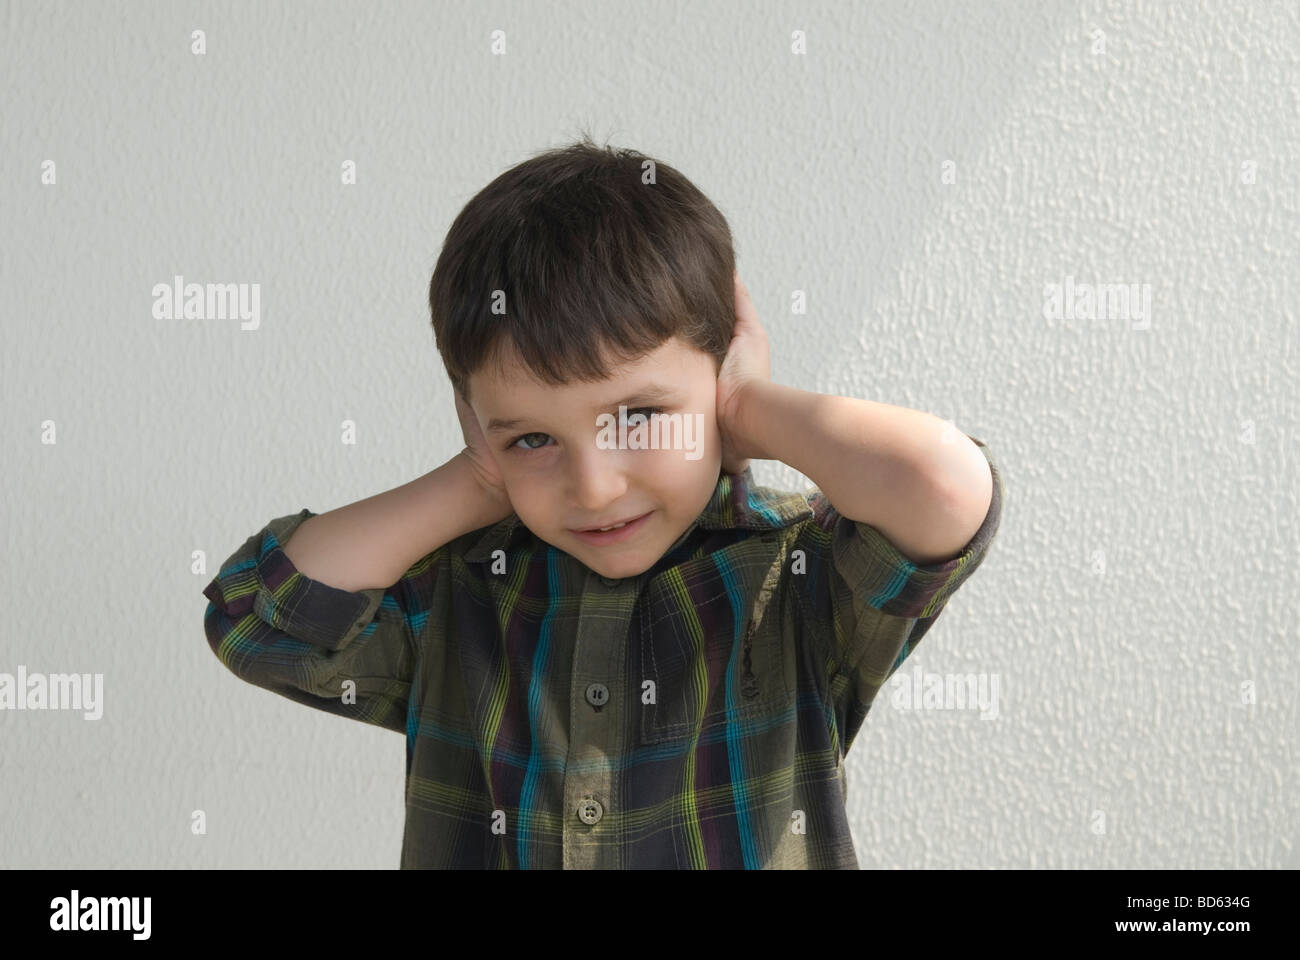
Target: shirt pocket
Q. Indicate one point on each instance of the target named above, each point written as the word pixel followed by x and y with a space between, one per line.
pixel 696 668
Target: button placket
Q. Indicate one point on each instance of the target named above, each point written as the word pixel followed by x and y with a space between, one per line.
pixel 592 782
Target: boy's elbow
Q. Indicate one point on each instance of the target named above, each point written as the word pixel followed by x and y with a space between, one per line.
pixel 217 627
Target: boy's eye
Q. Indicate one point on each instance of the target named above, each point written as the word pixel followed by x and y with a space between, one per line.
pixel 514 444
pixel 526 446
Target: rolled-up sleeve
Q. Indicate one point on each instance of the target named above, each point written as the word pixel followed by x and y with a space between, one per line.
pixel 352 654
pixel 870 604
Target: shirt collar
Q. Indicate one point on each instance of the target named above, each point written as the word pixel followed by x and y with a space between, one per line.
pixel 737 501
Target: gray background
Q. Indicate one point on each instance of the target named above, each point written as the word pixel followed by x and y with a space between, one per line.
pixel 1146 566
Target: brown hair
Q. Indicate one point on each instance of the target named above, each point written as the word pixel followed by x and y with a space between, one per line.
pixel 595 266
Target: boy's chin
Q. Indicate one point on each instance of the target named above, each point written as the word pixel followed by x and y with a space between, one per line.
pixel 632 562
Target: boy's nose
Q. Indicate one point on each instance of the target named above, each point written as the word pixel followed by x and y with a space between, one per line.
pixel 596 480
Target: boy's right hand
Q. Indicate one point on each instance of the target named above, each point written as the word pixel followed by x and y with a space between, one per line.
pixel 480 457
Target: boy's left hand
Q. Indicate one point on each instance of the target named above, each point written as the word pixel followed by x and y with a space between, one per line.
pixel 747 360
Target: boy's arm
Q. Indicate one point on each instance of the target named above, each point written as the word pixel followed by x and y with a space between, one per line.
pixel 353 610
pixel 885 475
pixel 370 543
pixel 907 473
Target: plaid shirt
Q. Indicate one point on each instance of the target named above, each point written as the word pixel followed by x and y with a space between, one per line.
pixel 694 716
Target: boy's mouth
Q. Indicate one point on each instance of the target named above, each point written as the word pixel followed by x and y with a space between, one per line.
pixel 618 530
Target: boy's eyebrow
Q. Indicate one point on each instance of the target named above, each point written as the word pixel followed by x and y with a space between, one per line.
pixel 652 394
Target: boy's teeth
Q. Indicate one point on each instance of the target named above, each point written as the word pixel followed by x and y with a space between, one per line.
pixel 614 527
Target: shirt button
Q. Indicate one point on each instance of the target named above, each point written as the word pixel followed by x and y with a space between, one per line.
pixel 590 811
pixel 597 694
pixel 609 581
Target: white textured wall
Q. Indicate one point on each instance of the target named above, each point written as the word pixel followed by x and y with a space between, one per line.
pixel 1147 564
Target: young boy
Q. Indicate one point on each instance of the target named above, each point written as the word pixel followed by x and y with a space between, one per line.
pixel 679 692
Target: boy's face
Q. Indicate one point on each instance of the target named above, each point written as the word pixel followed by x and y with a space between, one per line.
pixel 562 479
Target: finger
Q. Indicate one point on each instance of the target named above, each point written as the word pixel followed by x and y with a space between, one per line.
pixel 746 312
